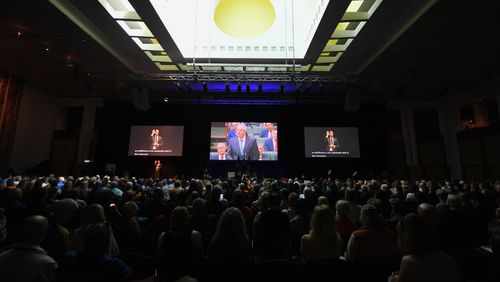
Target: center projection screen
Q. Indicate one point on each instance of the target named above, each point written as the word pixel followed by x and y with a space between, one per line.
pixel 253 141
pixel 156 140
pixel 331 142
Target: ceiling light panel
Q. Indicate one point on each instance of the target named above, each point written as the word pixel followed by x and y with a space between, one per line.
pixel 361 10
pixel 120 9
pixel 149 44
pixel 348 29
pixel 135 28
pixel 241 29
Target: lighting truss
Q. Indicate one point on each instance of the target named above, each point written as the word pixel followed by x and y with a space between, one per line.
pixel 245 77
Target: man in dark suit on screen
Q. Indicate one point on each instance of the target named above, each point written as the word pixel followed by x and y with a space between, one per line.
pixel 156 139
pixel 332 143
pixel 243 147
pixel 268 133
pixel 222 154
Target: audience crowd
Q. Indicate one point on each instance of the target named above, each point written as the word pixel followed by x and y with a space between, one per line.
pixel 123 229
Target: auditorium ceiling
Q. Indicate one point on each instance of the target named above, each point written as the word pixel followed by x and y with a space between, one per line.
pixel 386 48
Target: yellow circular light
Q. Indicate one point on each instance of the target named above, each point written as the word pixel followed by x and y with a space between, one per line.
pixel 244 19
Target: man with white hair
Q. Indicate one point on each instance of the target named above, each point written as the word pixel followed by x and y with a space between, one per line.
pixel 243 146
pixel 222 154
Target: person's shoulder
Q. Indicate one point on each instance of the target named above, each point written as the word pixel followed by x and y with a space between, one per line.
pixel 306 238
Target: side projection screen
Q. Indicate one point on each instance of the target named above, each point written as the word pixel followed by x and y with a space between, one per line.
pixel 155 140
pixel 331 142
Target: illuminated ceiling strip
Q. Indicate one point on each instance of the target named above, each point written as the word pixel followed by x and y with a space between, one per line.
pixel 322 68
pixel 158 58
pixel 356 15
pixel 120 9
pixel 333 46
pixel 128 19
pixel 361 10
pixel 166 67
pixel 329 59
pixel 153 46
pixel 343 29
pixel 305 68
pixel 354 6
pixel 135 28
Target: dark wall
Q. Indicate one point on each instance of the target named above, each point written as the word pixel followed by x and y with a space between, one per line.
pixel 114 120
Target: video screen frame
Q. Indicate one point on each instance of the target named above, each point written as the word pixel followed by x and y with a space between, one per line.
pixel 156 140
pixel 261 141
pixel 331 142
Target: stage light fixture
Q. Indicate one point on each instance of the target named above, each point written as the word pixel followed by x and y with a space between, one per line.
pixel 260 87
pixel 248 87
pixel 239 87
pixel 227 87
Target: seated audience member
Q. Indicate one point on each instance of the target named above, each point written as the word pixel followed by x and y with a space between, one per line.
pixel 345 226
pixel 430 214
pixel 494 228
pixel 180 248
pixel 372 243
pixel 352 197
pixel 3 229
pixel 214 205
pixel 92 263
pixel 128 230
pixel 239 201
pixel 299 226
pixel 322 200
pixel 272 231
pixel 25 260
pixel 397 212
pixel 323 241
pixel 56 242
pixel 230 244
pixel 92 214
pixel 423 259
pixel 202 221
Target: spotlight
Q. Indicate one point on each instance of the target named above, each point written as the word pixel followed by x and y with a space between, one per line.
pixel 165 99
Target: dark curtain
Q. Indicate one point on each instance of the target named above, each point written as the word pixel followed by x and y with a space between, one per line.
pixel 11 90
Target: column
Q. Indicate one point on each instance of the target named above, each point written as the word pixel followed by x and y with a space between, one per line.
pixel 409 137
pixel 449 121
pixel 86 133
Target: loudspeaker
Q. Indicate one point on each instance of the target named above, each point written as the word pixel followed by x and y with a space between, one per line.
pixel 140 99
pixel 352 101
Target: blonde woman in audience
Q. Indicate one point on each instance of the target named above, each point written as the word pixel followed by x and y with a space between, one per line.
pixel 323 242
